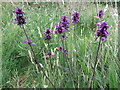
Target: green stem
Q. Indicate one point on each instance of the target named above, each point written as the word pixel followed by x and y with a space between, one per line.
pixel 95 65
pixel 36 61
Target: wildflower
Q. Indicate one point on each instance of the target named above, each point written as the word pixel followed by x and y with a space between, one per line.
pixel 100 13
pixel 65 51
pixel 20 19
pixel 64 19
pixel 63 25
pixel 65 22
pixel 59 48
pixel 48 37
pixel 18 11
pixel 47 55
pixel 59 29
pixel 29 42
pixel 102 31
pixel 75 18
pixel 48 33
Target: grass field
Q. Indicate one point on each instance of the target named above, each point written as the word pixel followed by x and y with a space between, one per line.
pixel 19 72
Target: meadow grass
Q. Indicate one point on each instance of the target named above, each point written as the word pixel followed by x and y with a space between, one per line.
pixel 17 70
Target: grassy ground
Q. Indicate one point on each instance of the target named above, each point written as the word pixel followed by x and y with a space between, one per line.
pixel 18 72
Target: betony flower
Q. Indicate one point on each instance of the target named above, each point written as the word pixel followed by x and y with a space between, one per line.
pixel 59 48
pixel 30 42
pixel 47 55
pixel 102 30
pixel 75 17
pixel 48 33
pixel 65 52
pixel 20 19
pixel 65 22
pixel 64 19
pixel 18 11
pixel 48 37
pixel 59 29
pixel 100 13
pixel 63 25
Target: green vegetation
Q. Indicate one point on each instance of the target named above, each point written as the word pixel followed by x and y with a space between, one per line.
pixel 19 72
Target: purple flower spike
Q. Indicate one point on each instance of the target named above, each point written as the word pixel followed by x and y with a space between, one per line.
pixel 76 14
pixel 100 13
pixel 64 19
pixel 48 33
pixel 65 22
pixel 20 19
pixel 103 25
pixel 65 52
pixel 18 11
pixel 59 29
pixel 102 31
pixel 63 25
pixel 75 18
pixel 48 37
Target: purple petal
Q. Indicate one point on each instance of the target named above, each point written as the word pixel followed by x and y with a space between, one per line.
pixel 15 22
pixel 103 38
pixel 25 42
pixel 98 24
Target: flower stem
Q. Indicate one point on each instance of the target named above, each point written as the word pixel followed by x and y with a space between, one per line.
pixel 36 61
pixel 66 55
pixel 62 44
pixel 95 65
pixel 51 53
pixel 75 36
pixel 74 48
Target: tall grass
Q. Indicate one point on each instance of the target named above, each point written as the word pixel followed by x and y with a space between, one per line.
pixel 17 69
